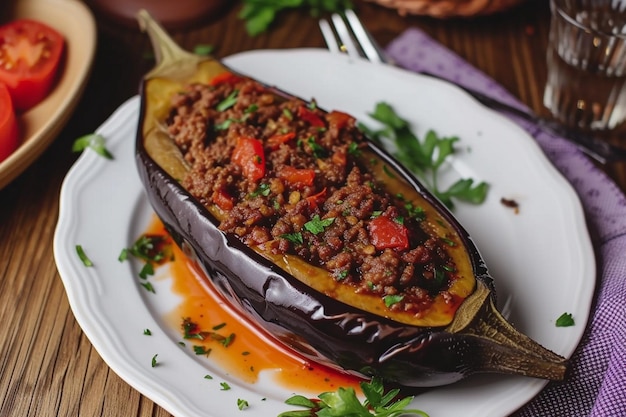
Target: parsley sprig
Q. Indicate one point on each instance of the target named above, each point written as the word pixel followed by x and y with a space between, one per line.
pixel 344 403
pixel 259 14
pixel 423 157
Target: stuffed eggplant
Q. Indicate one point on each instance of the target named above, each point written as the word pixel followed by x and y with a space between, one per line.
pixel 315 233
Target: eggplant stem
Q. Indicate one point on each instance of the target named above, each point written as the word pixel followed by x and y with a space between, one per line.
pixel 503 349
pixel 171 60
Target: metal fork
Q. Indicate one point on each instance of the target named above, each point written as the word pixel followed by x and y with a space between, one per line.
pixel 344 33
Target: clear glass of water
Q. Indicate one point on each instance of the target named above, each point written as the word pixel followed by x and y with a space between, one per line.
pixel 586 83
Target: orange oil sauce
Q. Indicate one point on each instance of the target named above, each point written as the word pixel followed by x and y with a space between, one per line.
pixel 252 350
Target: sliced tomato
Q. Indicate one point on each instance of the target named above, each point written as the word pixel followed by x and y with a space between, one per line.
pixel 9 136
pixel 249 155
pixel 30 56
pixel 387 233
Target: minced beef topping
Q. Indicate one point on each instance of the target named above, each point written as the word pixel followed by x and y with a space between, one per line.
pixel 296 179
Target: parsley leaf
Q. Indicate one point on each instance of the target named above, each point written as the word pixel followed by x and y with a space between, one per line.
pixel 317 225
pixel 228 102
pixel 423 157
pixel 83 256
pixel 565 320
pixel 93 141
pixel 293 238
pixel 344 402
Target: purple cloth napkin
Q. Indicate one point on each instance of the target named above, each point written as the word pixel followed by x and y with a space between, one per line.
pixel 597 385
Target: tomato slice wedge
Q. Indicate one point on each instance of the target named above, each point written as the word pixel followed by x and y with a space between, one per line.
pixel 9 136
pixel 30 55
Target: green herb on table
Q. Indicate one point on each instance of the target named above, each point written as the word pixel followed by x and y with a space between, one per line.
pixel 93 141
pixel 224 386
pixel 423 157
pixel 203 49
pixel 260 14
pixel 83 256
pixel 344 402
pixel 154 361
pixel 147 332
pixel 565 320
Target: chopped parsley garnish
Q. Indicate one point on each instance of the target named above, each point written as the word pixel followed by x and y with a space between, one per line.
pixel 392 299
pixel 154 360
pixel 344 402
pixel 228 102
pixel 201 350
pixel 353 148
pixel 147 332
pixel 565 320
pixel 225 386
pixel 423 157
pixel 263 189
pixel 241 404
pixel 317 225
pixel 207 376
pixel 318 150
pixel 93 141
pixel 148 286
pixel 146 271
pixel 82 256
pixel 219 326
pixel 293 238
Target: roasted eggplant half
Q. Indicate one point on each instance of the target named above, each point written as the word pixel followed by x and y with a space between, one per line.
pixel 315 233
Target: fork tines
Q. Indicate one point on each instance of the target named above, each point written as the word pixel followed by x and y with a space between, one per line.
pixel 345 33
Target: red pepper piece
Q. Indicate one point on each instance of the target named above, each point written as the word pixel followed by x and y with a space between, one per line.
pixel 223 199
pixel 310 117
pixel 316 199
pixel 249 155
pixel 225 78
pixel 297 176
pixel 339 119
pixel 275 141
pixel 339 158
pixel 386 233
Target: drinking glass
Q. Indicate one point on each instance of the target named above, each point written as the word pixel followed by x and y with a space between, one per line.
pixel 586 57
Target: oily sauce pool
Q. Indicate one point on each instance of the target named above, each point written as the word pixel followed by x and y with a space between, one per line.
pixel 210 326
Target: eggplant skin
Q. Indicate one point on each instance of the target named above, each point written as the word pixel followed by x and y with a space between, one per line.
pixel 319 327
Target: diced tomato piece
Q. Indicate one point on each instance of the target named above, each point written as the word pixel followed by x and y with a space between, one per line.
pixel 223 199
pixel 9 132
pixel 316 199
pixel 339 119
pixel 310 117
pixel 297 176
pixel 275 141
pixel 339 158
pixel 387 233
pixel 249 155
pixel 225 78
pixel 30 55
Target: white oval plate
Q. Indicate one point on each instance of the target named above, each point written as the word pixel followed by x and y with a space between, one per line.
pixel 541 258
pixel 40 125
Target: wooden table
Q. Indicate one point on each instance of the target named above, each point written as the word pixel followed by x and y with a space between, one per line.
pixel 48 367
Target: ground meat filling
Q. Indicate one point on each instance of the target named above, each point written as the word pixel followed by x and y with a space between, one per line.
pixel 294 178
